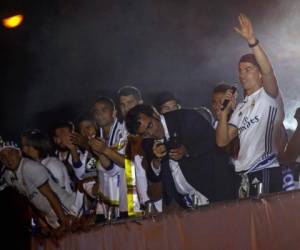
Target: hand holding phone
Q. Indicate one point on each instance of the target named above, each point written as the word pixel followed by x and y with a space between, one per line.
pixel 225 103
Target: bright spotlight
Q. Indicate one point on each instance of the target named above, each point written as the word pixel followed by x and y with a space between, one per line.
pixel 12 21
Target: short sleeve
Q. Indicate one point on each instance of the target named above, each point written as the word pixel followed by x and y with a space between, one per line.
pixel 234 119
pixel 277 102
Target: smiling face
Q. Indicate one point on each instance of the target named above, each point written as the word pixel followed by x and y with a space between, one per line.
pixel 250 77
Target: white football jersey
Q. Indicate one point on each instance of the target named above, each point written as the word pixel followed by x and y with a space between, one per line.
pixel 112 182
pixel 258 120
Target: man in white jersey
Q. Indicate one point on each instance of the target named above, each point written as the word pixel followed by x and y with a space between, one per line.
pixel 111 143
pixel 32 180
pixel 257 121
pixel 129 97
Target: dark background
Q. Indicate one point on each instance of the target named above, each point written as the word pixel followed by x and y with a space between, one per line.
pixel 67 52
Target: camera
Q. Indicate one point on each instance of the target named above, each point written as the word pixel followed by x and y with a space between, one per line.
pixel 172 142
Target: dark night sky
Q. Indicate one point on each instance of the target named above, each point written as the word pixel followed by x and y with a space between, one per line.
pixel 69 51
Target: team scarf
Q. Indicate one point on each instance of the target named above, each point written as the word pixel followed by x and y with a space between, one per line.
pixel 133 149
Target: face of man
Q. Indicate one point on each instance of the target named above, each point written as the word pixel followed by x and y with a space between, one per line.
pixel 150 127
pixel 87 129
pixel 128 102
pixel 10 158
pixel 62 137
pixel 28 150
pixel 104 114
pixel 169 106
pixel 250 77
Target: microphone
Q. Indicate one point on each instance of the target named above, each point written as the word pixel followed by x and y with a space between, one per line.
pixel 225 103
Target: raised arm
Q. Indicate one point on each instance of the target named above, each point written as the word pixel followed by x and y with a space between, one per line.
pixel 225 133
pixel 268 77
pixel 99 147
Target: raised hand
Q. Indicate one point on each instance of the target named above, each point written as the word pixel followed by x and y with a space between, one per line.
pixel 97 145
pixel 245 30
pixel 69 143
pixel 231 97
pixel 159 149
pixel 79 140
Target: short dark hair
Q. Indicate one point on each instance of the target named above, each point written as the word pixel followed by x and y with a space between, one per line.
pixel 85 116
pixel 130 90
pixel 164 97
pixel 61 124
pixel 221 88
pixel 106 100
pixel 250 58
pixel 39 141
pixel 132 117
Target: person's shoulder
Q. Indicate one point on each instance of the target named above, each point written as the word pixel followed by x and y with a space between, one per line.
pixel 121 129
pixel 270 100
pixel 52 159
pixel 238 108
pixel 32 168
pixel 184 117
pixel 52 162
pixel 206 114
pixel 264 94
pixel 29 163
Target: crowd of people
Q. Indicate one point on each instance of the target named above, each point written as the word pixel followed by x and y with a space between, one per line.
pixel 155 158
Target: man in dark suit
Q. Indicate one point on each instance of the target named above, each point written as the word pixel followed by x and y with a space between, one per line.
pixel 183 155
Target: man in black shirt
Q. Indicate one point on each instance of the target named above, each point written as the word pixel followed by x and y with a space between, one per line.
pixel 183 153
